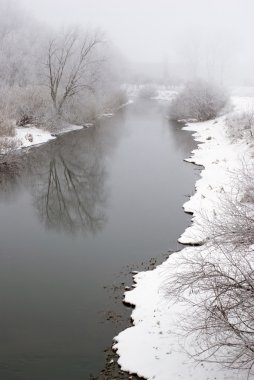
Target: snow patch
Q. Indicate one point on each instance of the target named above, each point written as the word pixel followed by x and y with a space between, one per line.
pixel 70 128
pixel 32 136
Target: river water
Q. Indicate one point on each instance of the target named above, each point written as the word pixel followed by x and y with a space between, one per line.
pixel 75 214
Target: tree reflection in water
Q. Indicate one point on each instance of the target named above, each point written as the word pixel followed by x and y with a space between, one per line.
pixel 73 197
pixel 68 182
pixel 67 177
pixel 10 174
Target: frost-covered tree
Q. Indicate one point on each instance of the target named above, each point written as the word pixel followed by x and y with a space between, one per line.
pixel 49 78
pixel 199 100
pixel 72 64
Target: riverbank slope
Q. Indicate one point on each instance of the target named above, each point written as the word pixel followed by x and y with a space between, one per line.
pixel 153 347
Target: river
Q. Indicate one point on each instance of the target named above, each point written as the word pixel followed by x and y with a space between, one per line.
pixel 77 215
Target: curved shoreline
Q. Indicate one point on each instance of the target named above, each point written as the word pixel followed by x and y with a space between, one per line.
pixel 30 136
pixel 150 347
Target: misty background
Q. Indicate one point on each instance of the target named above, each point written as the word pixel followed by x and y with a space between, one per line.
pixel 66 61
pixel 167 40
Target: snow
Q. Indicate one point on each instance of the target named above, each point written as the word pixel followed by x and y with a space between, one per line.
pixel 24 137
pixel 243 103
pixel 31 136
pixel 153 347
pixel 130 101
pixel 219 157
pixel 165 95
pixel 107 114
pixel 71 128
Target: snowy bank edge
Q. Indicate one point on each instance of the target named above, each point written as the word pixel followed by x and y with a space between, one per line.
pixel 31 136
pixel 149 348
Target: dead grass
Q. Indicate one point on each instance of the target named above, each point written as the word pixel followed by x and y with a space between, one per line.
pixel 7 128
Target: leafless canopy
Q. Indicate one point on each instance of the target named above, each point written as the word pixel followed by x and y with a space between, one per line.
pixel 72 65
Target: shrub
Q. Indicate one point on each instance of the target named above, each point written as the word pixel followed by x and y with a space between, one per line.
pixel 32 104
pixel 7 145
pixel 199 101
pixel 217 282
pixel 240 125
pixel 25 105
pixel 81 109
pixel 7 132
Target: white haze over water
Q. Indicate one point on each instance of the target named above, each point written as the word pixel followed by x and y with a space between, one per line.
pixel 165 31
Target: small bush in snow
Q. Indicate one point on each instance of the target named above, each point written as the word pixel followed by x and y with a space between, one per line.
pixel 33 104
pixel 240 125
pixel 199 100
pixel 7 145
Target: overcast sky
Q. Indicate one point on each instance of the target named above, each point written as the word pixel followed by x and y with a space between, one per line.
pixel 145 29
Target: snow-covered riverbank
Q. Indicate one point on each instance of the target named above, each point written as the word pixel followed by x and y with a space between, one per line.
pixel 29 136
pixel 152 348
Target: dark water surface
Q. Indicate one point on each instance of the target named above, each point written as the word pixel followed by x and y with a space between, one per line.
pixel 73 215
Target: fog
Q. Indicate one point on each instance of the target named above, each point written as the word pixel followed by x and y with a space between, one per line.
pixel 170 40
pixel 164 34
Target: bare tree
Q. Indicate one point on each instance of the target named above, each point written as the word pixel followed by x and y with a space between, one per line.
pixel 219 286
pixel 71 78
pixel 72 65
